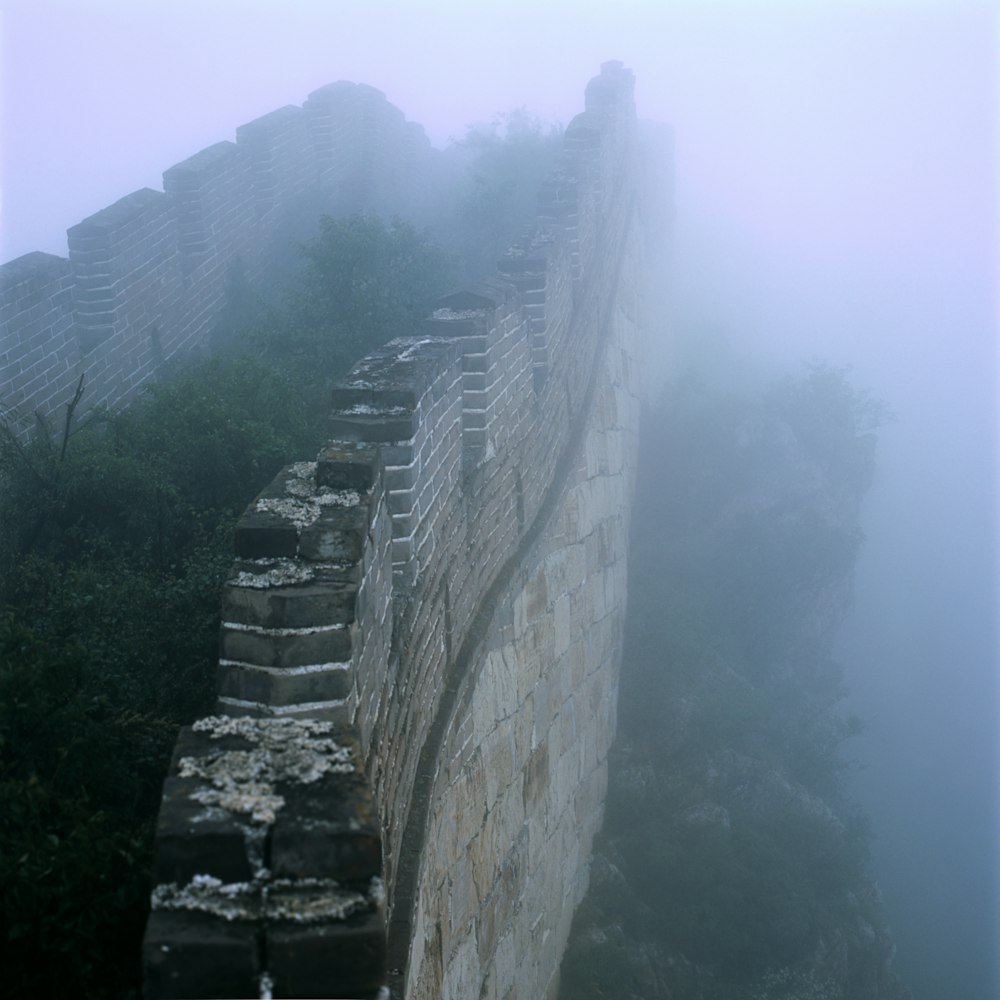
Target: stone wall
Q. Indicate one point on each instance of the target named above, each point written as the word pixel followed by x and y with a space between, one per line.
pixel 147 278
pixel 421 641
pixel 518 779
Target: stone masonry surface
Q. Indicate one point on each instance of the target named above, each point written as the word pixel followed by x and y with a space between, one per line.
pixel 421 635
pixel 148 277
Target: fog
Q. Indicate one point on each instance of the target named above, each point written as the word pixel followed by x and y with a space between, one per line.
pixel 836 197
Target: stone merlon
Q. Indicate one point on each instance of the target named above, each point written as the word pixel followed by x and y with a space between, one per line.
pixel 421 633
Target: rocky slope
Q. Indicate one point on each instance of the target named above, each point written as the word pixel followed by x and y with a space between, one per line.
pixel 732 866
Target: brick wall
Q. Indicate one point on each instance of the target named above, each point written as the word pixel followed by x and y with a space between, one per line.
pixel 421 636
pixel 146 278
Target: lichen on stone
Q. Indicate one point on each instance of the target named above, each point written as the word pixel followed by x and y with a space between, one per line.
pixel 303 502
pixel 300 901
pixel 206 894
pixel 278 572
pixel 366 410
pixel 266 986
pixel 302 486
pixel 312 900
pixel 299 751
pixel 411 350
pixel 447 314
pixel 303 470
pixel 301 513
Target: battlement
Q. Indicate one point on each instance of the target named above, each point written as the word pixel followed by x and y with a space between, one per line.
pixel 421 633
pixel 147 278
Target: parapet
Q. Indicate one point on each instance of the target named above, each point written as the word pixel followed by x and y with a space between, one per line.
pixel 148 277
pixel 293 820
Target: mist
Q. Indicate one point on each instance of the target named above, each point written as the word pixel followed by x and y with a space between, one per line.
pixel 835 198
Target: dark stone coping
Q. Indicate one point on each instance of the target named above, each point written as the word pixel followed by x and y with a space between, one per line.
pixel 133 206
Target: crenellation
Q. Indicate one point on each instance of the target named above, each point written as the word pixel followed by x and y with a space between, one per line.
pixel 283 164
pixel 448 577
pixel 164 261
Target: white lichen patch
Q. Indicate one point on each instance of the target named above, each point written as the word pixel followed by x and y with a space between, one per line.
pixel 305 493
pixel 312 901
pixel 304 470
pixel 233 788
pixel 266 987
pixel 299 751
pixel 455 314
pixel 411 350
pixel 367 410
pixel 260 730
pixel 302 485
pixel 304 503
pixel 301 513
pixel 274 573
pixel 210 814
pixel 205 894
pixel 300 901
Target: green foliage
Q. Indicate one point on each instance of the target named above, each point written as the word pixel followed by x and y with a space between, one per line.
pixel 834 422
pixel 506 163
pixel 725 813
pixel 153 480
pixel 765 491
pixel 121 540
pixel 364 283
pixel 114 544
pixel 75 770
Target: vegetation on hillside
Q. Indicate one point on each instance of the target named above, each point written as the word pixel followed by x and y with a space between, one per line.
pixel 732 866
pixel 116 535
pixel 114 543
pixel 501 168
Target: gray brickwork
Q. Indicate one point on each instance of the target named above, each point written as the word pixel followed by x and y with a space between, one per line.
pixel 146 278
pixel 421 633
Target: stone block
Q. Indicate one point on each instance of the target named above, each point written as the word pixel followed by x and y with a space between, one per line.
pixel 294 606
pixel 464 889
pixel 285 647
pixel 342 959
pixel 373 426
pixel 192 839
pixel 337 535
pixel 265 535
pixel 328 830
pixel 279 688
pixel 194 955
pixel 536 777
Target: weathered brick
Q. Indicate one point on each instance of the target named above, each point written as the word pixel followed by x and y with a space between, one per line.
pixel 343 959
pixel 193 955
pixel 323 645
pixel 297 606
pixel 329 830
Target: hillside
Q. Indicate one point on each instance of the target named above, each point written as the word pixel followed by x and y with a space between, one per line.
pixel 732 865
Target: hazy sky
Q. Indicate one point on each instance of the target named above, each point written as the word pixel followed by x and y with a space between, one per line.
pixel 837 196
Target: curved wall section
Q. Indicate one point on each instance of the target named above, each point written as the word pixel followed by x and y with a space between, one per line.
pixel 518 778
pixel 421 641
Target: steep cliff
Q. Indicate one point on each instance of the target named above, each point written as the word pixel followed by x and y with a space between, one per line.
pixel 732 865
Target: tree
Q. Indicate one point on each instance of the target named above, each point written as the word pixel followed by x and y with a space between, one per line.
pixel 364 282
pixel 505 163
pixel 738 857
pixel 115 539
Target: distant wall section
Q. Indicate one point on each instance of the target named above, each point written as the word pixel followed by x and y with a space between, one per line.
pixel 146 279
pixel 421 640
